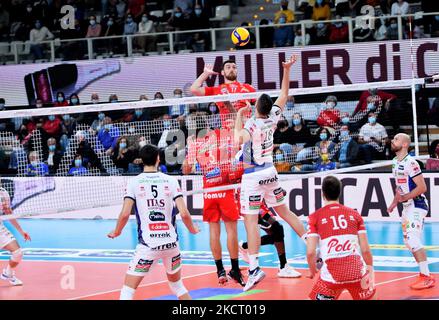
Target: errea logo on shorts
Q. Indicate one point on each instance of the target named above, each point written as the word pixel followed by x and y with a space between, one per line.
pixel 268 181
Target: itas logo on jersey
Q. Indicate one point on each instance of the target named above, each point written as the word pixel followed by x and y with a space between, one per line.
pixel 335 246
pixel 155 203
pixel 213 173
pixel 156 216
pixel 158 226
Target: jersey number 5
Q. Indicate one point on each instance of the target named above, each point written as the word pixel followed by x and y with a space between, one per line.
pixel 154 191
pixel 342 223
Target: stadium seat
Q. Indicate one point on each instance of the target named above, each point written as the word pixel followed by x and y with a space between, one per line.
pixel 17 46
pixel 4 48
pixel 157 13
pixel 222 13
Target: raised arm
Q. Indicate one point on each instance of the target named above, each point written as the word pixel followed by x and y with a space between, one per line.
pixel 197 88
pixel 283 96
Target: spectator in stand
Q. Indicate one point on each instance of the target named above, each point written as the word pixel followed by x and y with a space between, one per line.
pixel 53 156
pixel 178 109
pixel 363 34
pixel 282 134
pixel 305 8
pixel 266 34
pixel 283 35
pixel 386 6
pixel 392 30
pixel 184 5
pixel 355 6
pixel 325 143
pixel 113 98
pixel 347 154
pixel 284 11
pixel 77 168
pixel 94 98
pixel 158 112
pixel 329 116
pixel 281 164
pixel 324 163
pixel 35 166
pixel 89 157
pixel 61 100
pixel 381 30
pixel 108 136
pixel 289 106
pixel 111 27
pixel 383 103
pixel 177 21
pixel 74 100
pixel 94 29
pixel 321 11
pixel 68 126
pixel 252 43
pixel 139 115
pixel 123 154
pixel 130 26
pixel 37 35
pixel 346 121
pixel 300 136
pixel 146 26
pixel 338 31
pixel 322 33
pixel 433 162
pixel 98 123
pixel 372 139
pixel 52 126
pixel 199 19
pixel 214 118
pixel 136 8
pixel 400 7
pixel 298 39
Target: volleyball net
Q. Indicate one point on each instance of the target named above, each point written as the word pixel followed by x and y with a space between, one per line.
pixel 80 157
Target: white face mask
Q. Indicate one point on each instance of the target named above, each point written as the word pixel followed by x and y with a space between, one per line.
pixel 142 143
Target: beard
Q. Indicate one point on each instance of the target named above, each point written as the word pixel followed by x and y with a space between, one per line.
pixel 230 76
pixel 395 148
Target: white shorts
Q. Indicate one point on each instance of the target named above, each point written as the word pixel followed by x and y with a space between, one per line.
pixel 6 237
pixel 145 258
pixel 412 219
pixel 258 186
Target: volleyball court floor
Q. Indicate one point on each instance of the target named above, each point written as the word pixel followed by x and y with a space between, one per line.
pixel 74 259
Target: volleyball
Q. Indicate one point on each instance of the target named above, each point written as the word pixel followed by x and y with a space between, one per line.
pixel 240 36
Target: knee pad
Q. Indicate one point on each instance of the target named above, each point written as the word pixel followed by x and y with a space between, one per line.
pixel 178 288
pixel 277 232
pixel 413 241
pixel 17 255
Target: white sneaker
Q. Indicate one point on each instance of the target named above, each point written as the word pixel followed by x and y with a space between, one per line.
pixel 288 272
pixel 254 279
pixel 243 252
pixel 11 278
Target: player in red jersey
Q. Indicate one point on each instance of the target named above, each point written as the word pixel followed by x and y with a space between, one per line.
pixel 231 85
pixel 213 152
pixel 341 236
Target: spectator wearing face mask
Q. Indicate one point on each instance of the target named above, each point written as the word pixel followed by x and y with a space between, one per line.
pixel 347 154
pixel 285 12
pixel 400 7
pixel 37 35
pixel 108 136
pixel 52 126
pixel 130 26
pixel 283 35
pixel 89 157
pixel 282 134
pixel 185 6
pixel 136 8
pixel 329 116
pixel 123 154
pixel 52 156
pixel 281 164
pixel 35 166
pixel 345 120
pixel 300 135
pixel 325 163
pixel 94 99
pixel 372 139
pixel 98 122
pixel 61 100
pixel 77 168
pixel 179 109
pixel 94 29
pixel 146 26
pixel 363 34
pixel 392 30
pixel 299 41
pixel 68 126
pixel 214 116
pixel 378 98
pixel 321 11
pixel 338 31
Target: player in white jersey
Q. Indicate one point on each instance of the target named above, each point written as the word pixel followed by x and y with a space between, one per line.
pixel 260 181
pixel 152 195
pixel 410 189
pixel 9 243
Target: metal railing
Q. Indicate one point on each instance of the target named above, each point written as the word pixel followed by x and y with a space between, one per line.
pixel 169 41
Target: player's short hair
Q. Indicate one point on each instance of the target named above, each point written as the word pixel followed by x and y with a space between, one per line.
pixel 226 62
pixel 264 104
pixel 331 188
pixel 149 154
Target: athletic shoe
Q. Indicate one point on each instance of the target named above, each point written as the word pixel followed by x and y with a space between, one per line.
pixel 288 272
pixel 254 279
pixel 222 277
pixel 236 276
pixel 243 252
pixel 11 278
pixel 423 282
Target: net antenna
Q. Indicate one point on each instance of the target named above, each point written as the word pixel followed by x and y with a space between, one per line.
pixel 413 87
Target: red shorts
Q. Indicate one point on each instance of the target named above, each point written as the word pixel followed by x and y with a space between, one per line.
pixel 324 290
pixel 220 205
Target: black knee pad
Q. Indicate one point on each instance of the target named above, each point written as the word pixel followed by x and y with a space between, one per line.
pixel 277 232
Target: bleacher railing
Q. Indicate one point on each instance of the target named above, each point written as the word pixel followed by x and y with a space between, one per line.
pixel 169 42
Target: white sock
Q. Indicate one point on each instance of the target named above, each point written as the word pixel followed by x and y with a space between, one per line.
pixel 127 293
pixel 254 263
pixel 8 270
pixel 423 267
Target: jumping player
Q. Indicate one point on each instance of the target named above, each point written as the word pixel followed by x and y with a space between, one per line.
pixel 410 189
pixel 275 236
pixel 152 194
pixel 9 243
pixel 213 153
pixel 260 179
pixel 231 85
pixel 341 235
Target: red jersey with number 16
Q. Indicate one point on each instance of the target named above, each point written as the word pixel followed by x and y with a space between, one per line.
pixel 226 88
pixel 338 228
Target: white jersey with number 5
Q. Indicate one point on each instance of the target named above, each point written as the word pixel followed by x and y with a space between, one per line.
pixel 259 150
pixel 154 194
